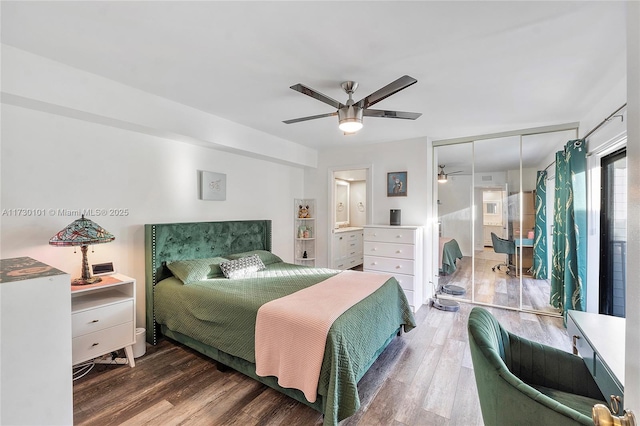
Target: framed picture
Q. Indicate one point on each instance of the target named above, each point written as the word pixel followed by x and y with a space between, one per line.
pixel 397 184
pixel 213 186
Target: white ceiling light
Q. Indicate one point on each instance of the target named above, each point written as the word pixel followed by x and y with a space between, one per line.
pixel 442 176
pixel 350 118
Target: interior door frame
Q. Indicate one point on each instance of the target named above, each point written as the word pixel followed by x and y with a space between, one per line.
pixel 332 196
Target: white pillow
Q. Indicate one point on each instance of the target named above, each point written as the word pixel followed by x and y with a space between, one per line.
pixel 243 267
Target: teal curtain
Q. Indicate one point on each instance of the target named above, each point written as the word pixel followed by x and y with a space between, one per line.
pixel 540 230
pixel 569 269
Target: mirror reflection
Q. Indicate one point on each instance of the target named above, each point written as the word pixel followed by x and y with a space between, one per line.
pixel 498 211
pixel 342 203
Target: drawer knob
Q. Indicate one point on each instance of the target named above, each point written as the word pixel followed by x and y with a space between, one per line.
pixel 398 251
pixel 95 344
pixel 399 267
pixel 399 236
pixel 95 321
pixel 374 263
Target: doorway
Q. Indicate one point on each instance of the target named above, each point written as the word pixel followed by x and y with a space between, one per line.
pixel 349 207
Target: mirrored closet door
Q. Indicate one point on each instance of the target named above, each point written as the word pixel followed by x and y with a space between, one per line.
pixel 495 217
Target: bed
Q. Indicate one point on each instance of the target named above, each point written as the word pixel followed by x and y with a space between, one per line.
pixel 223 327
pixel 449 253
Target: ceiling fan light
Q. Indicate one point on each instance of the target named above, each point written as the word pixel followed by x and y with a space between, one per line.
pixel 350 118
pixel 350 126
pixel 442 177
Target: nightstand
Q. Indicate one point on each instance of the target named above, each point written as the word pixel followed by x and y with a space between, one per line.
pixel 103 318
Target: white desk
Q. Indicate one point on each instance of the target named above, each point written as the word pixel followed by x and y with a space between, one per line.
pixel 599 339
pixel 522 243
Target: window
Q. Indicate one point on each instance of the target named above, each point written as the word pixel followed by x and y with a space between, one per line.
pixel 613 234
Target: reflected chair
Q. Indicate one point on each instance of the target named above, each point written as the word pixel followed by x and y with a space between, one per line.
pixel 521 382
pixel 507 247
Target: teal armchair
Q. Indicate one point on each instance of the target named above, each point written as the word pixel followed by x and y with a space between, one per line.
pixel 521 382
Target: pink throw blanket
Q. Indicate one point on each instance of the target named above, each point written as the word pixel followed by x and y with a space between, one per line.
pixel 291 332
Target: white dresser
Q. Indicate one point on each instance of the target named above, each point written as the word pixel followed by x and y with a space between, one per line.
pixel 397 250
pixel 347 248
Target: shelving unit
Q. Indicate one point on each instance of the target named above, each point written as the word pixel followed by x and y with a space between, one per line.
pixel 304 232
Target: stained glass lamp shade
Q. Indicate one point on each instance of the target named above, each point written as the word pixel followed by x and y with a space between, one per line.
pixel 82 232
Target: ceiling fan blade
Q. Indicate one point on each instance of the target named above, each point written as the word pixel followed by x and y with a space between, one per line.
pixel 388 90
pixel 311 117
pixel 391 114
pixel 316 95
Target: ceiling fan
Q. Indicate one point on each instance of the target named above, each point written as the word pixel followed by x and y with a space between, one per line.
pixel 442 176
pixel 350 113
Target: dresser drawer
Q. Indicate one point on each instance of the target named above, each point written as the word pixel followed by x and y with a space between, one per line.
pixel 354 248
pixel 406 282
pixel 93 345
pixel 349 262
pixel 399 235
pixel 96 319
pixel 387 264
pixel 400 251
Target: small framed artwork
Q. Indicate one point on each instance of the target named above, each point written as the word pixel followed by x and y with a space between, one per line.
pixel 397 184
pixel 213 186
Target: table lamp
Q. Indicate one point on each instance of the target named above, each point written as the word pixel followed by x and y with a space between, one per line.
pixel 82 232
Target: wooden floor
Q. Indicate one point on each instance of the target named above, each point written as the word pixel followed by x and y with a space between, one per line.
pixel 424 377
pixel 495 287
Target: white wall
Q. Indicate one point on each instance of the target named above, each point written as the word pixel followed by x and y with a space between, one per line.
pixel 73 141
pixel 53 162
pixel 38 83
pixel 632 363
pixel 413 156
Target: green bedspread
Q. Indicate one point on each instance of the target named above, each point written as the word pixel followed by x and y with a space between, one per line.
pixel 222 313
pixel 450 253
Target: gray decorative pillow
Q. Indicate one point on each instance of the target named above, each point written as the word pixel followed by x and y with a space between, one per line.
pixel 243 267
pixel 193 270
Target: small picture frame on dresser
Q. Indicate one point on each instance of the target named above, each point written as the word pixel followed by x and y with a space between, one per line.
pixel 397 184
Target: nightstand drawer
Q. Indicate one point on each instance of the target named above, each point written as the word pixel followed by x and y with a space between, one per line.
pixel 93 345
pixel 100 318
pixel 399 235
pixel 387 264
pixel 401 251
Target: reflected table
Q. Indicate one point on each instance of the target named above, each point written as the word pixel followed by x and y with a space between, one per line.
pixel 524 250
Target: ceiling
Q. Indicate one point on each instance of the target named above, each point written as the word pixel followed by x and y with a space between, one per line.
pixel 482 67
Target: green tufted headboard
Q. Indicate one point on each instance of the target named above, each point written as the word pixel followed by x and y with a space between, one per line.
pixel 167 242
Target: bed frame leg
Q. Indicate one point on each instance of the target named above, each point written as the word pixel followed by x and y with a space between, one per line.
pixel 222 368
